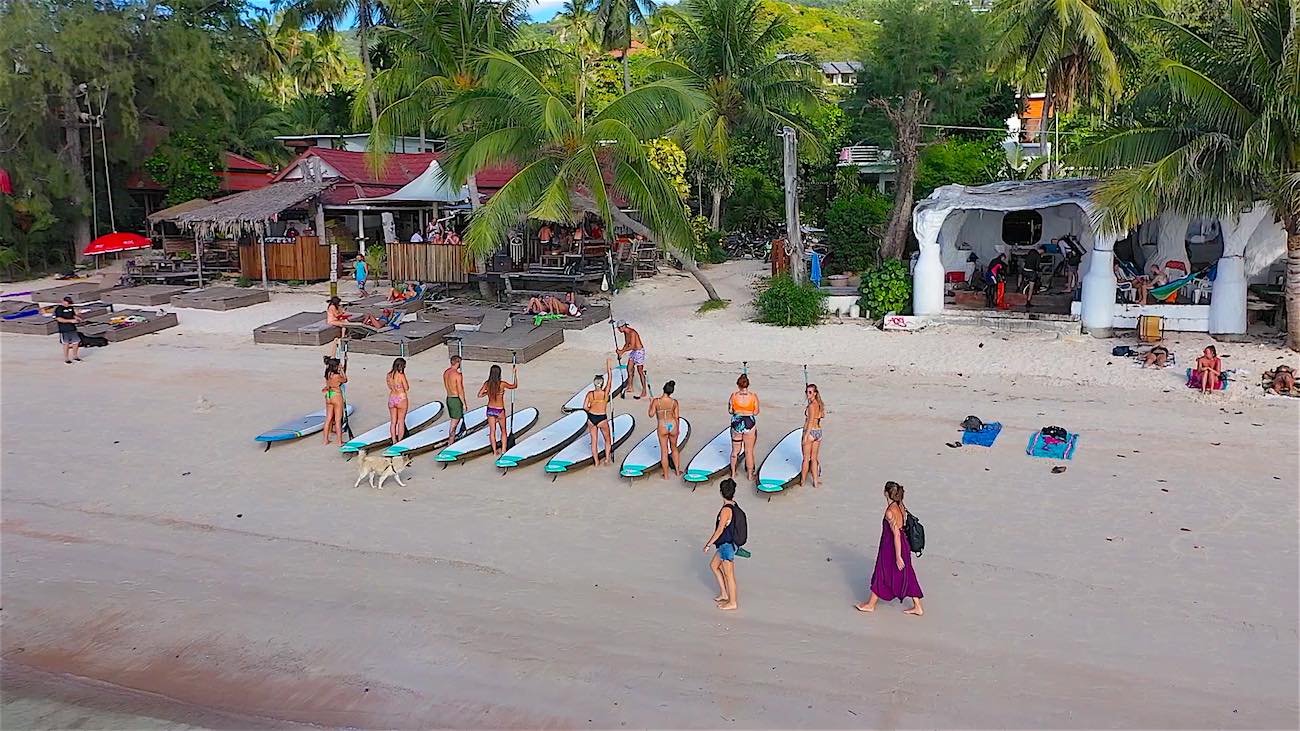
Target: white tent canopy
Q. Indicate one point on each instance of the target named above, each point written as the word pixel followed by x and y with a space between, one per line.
pixel 432 186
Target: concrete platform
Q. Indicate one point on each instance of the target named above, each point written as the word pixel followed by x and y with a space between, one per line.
pixel 304 328
pixel 147 295
pixel 410 339
pixel 220 298
pixel 526 342
pixel 45 324
pixel 126 324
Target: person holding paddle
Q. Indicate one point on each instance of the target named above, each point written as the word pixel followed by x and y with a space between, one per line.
pixel 743 406
pixel 635 349
pixel 596 404
pixel 495 390
pixel 335 409
pixel 668 420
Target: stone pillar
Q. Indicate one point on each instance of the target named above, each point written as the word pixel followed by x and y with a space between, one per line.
pixel 1171 241
pixel 1228 296
pixel 1097 299
pixel 927 279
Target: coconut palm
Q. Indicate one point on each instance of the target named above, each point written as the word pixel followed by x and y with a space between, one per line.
pixel 327 14
pixel 727 49
pixel 614 21
pixel 1230 136
pixel 1074 51
pixel 569 160
pixel 575 23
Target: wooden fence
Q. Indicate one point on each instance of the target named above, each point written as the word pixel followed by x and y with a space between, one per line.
pixel 413 262
pixel 305 258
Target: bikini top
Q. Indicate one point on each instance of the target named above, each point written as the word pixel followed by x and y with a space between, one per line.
pixel 744 404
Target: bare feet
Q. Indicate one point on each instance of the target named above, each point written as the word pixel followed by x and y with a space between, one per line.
pixel 729 606
pixel 865 607
pixel 722 598
pixel 915 611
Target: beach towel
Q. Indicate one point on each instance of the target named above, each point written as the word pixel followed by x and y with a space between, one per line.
pixel 1194 380
pixel 1048 448
pixel 984 437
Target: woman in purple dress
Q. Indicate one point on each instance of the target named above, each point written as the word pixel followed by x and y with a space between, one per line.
pixel 894 577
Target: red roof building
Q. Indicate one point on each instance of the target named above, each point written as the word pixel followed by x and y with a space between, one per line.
pixel 357 179
pixel 238 174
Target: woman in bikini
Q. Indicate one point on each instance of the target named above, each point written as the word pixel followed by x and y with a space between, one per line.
pixel 1208 370
pixel 668 418
pixel 812 435
pixel 743 406
pixel 596 404
pixel 495 390
pixel 335 377
pixel 399 401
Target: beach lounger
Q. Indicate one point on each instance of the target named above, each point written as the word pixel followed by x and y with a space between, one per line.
pixel 551 439
pixel 146 295
pixel 30 321
pixel 410 339
pixel 304 328
pixel 527 344
pixel 220 298
pixel 126 324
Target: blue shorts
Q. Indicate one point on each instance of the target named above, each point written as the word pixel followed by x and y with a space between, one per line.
pixel 727 552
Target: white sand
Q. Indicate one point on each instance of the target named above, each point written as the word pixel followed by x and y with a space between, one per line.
pixel 148 544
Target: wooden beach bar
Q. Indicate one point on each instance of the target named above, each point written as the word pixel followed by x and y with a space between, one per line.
pixel 302 258
pixel 427 262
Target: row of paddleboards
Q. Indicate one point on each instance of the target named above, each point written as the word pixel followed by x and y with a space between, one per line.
pixel 557 442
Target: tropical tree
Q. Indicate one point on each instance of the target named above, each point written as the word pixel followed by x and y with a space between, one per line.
pixel 1226 136
pixel 327 14
pixel 575 23
pixel 569 160
pixel 614 21
pixel 1074 51
pixel 728 51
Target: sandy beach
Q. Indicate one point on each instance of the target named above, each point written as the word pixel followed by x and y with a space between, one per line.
pixel 160 570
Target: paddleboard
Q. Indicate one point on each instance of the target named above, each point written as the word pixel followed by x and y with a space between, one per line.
pixel 416 419
pixel 782 464
pixel 549 440
pixel 618 374
pixel 480 441
pixel 298 428
pixel 712 459
pixel 645 455
pixel 436 436
pixel 578 453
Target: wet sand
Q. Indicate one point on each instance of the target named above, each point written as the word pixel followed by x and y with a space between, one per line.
pixel 160 570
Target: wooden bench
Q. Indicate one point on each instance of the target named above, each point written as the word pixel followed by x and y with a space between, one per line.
pixel 221 298
pixel 149 322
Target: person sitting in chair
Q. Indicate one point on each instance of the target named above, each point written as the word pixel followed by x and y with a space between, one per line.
pixel 1144 285
pixel 402 292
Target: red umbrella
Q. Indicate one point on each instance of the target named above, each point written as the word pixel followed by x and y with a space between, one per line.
pixel 115 242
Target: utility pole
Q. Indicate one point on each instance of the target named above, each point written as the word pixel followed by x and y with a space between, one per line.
pixel 794 238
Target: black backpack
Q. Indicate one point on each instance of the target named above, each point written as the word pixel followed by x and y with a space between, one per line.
pixel 740 526
pixel 915 533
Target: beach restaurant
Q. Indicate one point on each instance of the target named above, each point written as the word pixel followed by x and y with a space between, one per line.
pixel 1218 269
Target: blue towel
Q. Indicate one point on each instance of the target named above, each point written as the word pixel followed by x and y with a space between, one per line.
pixel 1040 447
pixel 815 269
pixel 984 437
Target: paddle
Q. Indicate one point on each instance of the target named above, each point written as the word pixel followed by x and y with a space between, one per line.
pixel 343 389
pixel 627 375
pixel 510 432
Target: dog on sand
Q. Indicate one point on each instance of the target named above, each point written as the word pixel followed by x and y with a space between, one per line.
pixel 372 466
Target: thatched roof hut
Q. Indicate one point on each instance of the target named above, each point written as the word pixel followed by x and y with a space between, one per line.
pixel 251 211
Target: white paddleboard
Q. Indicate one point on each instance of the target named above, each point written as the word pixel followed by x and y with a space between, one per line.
pixel 782 464
pixel 416 419
pixel 578 453
pixel 436 436
pixel 310 424
pixel 645 455
pixel 619 376
pixel 550 439
pixel 712 459
pixel 481 441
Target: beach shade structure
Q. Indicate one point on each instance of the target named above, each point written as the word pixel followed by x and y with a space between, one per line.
pixel 437 436
pixel 416 419
pixel 712 459
pixel 782 465
pixel 551 439
pixel 481 441
pixel 618 376
pixel 298 428
pixel 578 453
pixel 646 454
pixel 115 242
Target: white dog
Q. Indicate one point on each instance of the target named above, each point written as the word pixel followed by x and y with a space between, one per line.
pixel 383 467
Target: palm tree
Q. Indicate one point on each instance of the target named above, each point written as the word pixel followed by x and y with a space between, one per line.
pixel 1229 136
pixel 1074 51
pixel 614 21
pixel 327 14
pixel 569 161
pixel 575 22
pixel 727 50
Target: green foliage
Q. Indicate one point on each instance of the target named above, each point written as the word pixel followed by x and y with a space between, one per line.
pixel 712 306
pixel 667 157
pixel 708 247
pixel 854 227
pixel 377 262
pixel 243 281
pixel 963 162
pixel 295 282
pixel 186 167
pixel 755 203
pixel 825 35
pixel 782 302
pixel 885 289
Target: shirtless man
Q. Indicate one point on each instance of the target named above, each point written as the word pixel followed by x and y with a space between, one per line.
pixel 454 381
pixel 635 349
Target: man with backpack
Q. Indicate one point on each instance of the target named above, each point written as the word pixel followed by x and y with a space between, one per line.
pixel 730 532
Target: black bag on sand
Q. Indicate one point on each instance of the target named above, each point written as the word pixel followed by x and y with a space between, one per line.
pixel 972 423
pixel 915 533
pixel 92 341
pixel 1055 432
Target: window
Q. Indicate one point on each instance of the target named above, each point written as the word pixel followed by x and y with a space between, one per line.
pixel 1022 228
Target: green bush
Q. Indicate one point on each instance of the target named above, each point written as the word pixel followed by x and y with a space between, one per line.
pixel 782 302
pixel 755 202
pixel 295 282
pixel 885 289
pixel 243 282
pixel 854 226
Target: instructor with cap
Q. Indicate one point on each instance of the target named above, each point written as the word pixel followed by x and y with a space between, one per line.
pixel 635 350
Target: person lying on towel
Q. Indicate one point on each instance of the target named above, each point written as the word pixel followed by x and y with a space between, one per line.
pixel 549 305
pixel 1282 379
pixel 1157 357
